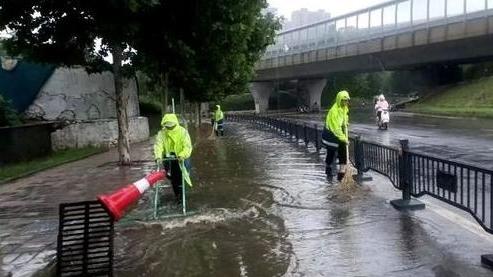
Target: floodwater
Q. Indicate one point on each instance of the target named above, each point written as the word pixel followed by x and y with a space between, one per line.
pixel 467 140
pixel 264 208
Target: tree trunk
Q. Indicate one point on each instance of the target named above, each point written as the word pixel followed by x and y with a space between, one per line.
pixel 197 114
pixel 182 102
pixel 200 113
pixel 164 94
pixel 121 107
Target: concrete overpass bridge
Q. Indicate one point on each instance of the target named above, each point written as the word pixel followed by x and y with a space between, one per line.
pixel 399 34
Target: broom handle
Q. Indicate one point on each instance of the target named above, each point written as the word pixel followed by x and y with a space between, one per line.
pixel 347 148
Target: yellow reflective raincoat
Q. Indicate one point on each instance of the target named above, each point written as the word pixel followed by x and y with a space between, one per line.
pixel 337 118
pixel 175 141
pixel 218 114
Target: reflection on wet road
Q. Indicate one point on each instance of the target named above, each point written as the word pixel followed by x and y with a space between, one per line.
pixel 265 209
pixel 467 140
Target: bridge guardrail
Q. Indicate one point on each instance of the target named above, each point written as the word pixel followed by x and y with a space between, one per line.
pixel 464 186
pixel 384 19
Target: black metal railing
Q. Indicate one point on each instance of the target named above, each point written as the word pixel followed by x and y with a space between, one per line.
pixel 462 185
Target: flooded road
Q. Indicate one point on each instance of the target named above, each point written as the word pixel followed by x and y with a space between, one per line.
pixel 264 208
pixel 461 139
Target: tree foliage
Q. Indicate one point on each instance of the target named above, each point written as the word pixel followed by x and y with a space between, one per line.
pixel 65 32
pixel 208 48
pixel 8 115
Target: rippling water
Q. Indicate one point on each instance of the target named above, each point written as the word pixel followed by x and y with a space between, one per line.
pixel 264 208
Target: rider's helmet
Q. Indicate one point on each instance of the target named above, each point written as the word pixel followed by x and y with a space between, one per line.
pixel 381 97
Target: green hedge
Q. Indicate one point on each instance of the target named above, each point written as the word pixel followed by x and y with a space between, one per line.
pixel 8 115
pixel 240 102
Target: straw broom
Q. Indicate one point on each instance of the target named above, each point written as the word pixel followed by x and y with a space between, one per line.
pixel 348 181
pixel 213 136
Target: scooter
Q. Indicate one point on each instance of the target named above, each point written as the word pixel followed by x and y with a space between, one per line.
pixel 383 123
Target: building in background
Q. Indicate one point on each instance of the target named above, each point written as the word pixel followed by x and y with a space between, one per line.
pixel 304 17
pixel 270 10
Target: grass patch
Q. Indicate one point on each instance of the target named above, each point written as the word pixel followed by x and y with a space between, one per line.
pixel 468 99
pixel 13 171
pixel 454 111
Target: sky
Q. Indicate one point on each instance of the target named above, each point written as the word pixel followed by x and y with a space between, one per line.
pixel 334 7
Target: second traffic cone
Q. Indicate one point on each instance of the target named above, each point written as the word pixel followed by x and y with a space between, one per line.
pixel 116 203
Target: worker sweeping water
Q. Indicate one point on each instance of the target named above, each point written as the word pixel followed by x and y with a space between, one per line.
pixel 218 121
pixel 335 135
pixel 172 150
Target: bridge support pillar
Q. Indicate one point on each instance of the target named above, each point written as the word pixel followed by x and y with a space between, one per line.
pixel 261 92
pixel 313 92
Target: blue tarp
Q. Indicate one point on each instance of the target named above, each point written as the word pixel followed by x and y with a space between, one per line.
pixel 23 83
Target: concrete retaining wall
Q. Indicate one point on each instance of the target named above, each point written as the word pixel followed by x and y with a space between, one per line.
pixel 101 133
pixel 71 94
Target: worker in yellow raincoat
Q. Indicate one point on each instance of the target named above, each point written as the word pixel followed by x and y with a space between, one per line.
pixel 172 150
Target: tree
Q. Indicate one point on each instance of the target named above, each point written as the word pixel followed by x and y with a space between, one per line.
pixel 2 50
pixel 208 48
pixel 65 33
pixel 8 115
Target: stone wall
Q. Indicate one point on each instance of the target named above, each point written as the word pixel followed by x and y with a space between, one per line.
pixel 101 133
pixel 71 94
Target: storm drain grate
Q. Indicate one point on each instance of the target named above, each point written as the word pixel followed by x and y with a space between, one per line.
pixel 85 240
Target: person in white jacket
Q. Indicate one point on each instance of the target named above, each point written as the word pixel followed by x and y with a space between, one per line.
pixel 381 105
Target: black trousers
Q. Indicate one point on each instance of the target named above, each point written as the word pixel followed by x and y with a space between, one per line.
pixel 341 153
pixel 220 128
pixel 174 174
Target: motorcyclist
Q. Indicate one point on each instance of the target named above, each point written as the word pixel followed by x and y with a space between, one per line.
pixel 380 106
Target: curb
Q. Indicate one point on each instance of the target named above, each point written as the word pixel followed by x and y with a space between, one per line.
pixel 409 114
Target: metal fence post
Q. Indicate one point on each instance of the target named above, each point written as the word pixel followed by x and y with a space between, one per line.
pixel 358 155
pixel 296 132
pixel 359 160
pixel 405 182
pixel 304 134
pixel 317 143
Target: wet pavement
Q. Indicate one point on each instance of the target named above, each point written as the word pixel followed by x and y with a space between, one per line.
pixel 262 207
pixel 29 206
pixel 467 140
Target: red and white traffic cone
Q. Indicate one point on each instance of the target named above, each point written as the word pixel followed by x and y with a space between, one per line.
pixel 117 202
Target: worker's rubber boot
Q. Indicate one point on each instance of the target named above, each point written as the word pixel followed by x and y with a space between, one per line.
pixel 328 172
pixel 340 176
